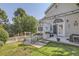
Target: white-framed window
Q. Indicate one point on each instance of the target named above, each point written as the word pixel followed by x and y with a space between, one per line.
pixel 75 23
pixel 60 28
pixel 40 28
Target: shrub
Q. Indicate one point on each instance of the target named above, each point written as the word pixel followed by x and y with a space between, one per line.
pixel 3 35
pixel 1 43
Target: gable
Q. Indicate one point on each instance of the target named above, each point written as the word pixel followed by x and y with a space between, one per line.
pixel 59 8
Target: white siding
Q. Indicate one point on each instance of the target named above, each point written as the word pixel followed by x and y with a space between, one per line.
pixel 70 28
pixel 61 8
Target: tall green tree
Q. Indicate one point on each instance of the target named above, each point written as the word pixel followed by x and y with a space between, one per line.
pixel 23 22
pixel 3 18
pixel 19 12
pixel 3 33
pixel 3 15
pixel 17 24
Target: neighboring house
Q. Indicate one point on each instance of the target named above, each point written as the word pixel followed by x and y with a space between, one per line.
pixel 61 20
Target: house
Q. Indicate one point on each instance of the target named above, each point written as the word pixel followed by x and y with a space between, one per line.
pixel 61 20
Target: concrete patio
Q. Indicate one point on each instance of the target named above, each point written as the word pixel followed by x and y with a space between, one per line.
pixel 37 44
pixel 62 40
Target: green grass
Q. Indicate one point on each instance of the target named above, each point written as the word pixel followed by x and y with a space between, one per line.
pixel 51 49
pixel 15 49
pixel 57 49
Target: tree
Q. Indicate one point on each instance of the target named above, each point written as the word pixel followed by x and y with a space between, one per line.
pixel 19 12
pixel 3 35
pixel 10 29
pixel 3 18
pixel 30 24
pixel 17 24
pixel 23 22
pixel 3 15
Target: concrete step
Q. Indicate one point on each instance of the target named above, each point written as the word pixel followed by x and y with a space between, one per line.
pixel 44 41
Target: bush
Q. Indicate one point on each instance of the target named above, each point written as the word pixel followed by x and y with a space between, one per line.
pixel 1 43
pixel 3 35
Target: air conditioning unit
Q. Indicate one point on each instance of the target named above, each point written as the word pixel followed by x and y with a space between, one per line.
pixel 74 38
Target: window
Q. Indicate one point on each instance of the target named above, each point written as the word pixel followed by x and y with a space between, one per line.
pixel 56 6
pixel 50 27
pixel 47 28
pixel 58 20
pixel 68 25
pixel 77 4
pixel 75 23
pixel 40 28
pixel 60 29
pixel 61 26
pixel 67 20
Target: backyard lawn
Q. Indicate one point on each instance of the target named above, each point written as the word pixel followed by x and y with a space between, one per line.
pixel 51 49
pixel 57 49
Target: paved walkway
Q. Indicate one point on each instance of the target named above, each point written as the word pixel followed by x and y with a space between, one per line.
pixel 37 44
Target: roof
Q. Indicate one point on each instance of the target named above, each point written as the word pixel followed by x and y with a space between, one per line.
pixel 42 19
pixel 50 7
pixel 47 11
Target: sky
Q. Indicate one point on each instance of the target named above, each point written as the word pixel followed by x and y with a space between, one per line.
pixel 33 9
